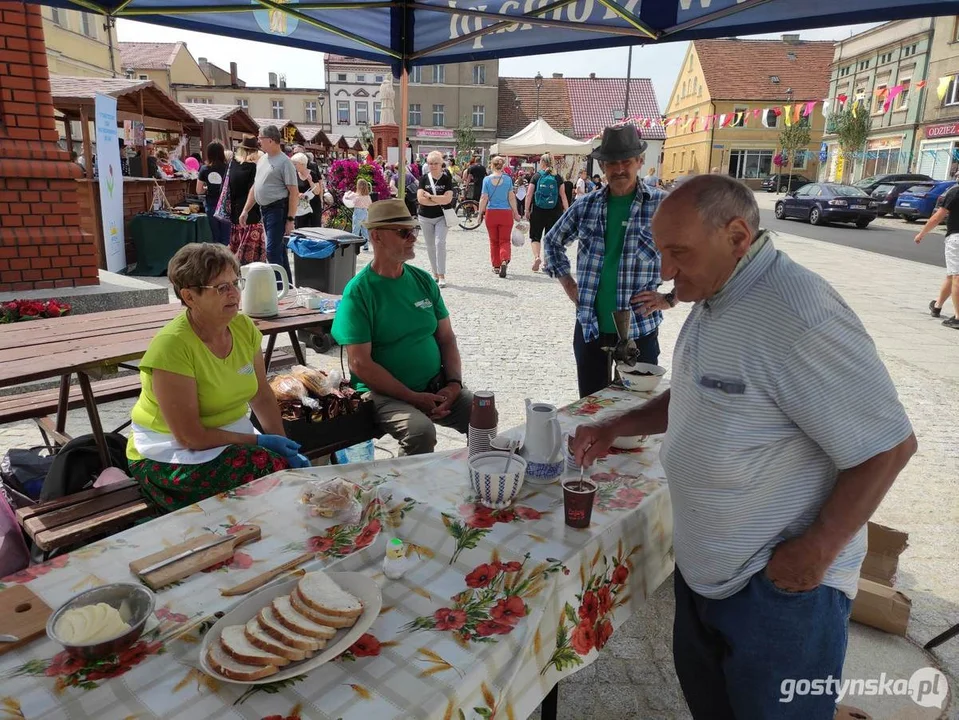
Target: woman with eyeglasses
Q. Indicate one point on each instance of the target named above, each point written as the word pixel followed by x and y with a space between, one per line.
pixel 191 435
pixel 434 194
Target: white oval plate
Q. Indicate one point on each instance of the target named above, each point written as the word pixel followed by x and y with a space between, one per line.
pixel 360 585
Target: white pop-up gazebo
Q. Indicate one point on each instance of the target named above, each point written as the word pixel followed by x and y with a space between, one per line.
pixel 538 138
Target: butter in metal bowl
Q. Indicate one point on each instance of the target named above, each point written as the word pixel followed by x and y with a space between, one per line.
pixel 91 624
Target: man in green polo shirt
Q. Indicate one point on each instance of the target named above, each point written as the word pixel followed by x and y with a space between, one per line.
pixel 398 337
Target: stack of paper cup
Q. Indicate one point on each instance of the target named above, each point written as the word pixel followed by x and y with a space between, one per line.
pixel 483 422
pixel 479 440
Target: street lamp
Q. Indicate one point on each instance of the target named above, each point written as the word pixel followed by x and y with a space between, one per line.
pixel 539 86
pixel 322 100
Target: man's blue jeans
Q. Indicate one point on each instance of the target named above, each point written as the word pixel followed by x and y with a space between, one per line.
pixel 274 222
pixel 741 657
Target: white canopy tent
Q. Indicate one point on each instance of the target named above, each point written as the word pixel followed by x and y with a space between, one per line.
pixel 538 138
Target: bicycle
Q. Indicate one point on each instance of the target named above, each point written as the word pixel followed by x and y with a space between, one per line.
pixel 467 210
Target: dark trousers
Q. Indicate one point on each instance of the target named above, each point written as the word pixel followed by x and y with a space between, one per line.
pixel 754 654
pixel 594 367
pixel 220 229
pixel 274 222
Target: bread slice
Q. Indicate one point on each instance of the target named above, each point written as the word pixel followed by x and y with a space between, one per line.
pixel 274 628
pixel 259 638
pixel 233 669
pixel 333 621
pixel 298 621
pixel 320 592
pixel 234 642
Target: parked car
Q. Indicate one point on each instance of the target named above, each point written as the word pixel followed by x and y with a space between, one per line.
pixel 888 193
pixel 783 183
pixel 919 201
pixel 822 203
pixel 871 183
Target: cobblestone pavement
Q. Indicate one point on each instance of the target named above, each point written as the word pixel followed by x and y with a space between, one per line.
pixel 515 338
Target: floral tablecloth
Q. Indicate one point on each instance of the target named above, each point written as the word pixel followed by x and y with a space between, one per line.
pixel 495 608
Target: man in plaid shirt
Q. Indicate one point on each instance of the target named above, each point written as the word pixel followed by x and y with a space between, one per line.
pixel 617 262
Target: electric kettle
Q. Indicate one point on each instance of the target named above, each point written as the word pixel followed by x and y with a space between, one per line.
pixel 260 298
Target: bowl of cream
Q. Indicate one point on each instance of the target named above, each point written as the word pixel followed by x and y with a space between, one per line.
pixel 103 621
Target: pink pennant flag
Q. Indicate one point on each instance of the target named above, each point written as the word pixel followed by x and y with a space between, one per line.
pixel 810 106
pixel 756 112
pixel 709 122
pixel 895 91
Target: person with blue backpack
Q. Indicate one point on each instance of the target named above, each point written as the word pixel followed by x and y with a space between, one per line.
pixel 544 206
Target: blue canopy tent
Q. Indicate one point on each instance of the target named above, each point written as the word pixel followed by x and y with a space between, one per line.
pixel 403 33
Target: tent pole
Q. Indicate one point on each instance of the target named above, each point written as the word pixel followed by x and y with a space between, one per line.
pixel 404 117
pixel 629 79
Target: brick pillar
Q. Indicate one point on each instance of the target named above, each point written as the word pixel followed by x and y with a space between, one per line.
pixel 385 136
pixel 41 245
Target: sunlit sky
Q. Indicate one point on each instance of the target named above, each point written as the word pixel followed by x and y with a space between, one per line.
pixel 304 68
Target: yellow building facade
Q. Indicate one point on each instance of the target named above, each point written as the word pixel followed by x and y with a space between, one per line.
pixel 746 149
pixel 166 64
pixel 79 44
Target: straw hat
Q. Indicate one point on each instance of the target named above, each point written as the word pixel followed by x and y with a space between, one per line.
pixel 389 212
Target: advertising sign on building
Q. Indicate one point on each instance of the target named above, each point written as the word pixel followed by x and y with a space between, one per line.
pixel 943 130
pixel 434 133
pixel 110 181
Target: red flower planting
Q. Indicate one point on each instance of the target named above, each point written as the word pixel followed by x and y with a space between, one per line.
pixel 449 619
pixel 620 574
pixel 366 646
pixel 589 607
pixel 583 638
pixel 481 576
pixel 509 610
pixel 604 629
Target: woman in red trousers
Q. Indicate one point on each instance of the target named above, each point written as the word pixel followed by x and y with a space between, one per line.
pixel 498 206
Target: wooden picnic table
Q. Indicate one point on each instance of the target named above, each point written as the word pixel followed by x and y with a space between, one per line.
pixel 89 344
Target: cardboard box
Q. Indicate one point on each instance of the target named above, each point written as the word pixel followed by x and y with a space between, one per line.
pixel 881 607
pixel 882 557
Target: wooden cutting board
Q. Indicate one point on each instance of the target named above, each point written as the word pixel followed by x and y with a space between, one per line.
pixel 194 563
pixel 22 614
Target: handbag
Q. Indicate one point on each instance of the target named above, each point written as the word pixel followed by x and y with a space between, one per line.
pixel 449 214
pixel 224 207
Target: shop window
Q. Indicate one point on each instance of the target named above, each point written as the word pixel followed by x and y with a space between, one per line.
pixel 750 164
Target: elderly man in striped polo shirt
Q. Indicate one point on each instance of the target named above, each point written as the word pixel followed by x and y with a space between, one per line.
pixel 783 434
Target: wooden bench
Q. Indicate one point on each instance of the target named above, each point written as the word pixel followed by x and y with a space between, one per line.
pixel 85 515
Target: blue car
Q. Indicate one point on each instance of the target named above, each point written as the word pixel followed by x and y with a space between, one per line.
pixel 822 203
pixel 919 201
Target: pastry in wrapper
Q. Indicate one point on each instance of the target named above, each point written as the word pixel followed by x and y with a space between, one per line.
pixel 333 497
pixel 315 381
pixel 287 387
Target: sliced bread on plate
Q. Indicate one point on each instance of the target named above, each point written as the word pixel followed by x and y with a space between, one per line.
pixel 233 669
pixel 259 638
pixel 333 621
pixel 274 628
pixel 234 642
pixel 293 619
pixel 320 592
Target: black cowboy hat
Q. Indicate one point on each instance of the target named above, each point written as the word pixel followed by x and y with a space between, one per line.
pixel 620 142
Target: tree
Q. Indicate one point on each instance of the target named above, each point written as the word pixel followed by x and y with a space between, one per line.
pixel 793 138
pixel 465 139
pixel 852 129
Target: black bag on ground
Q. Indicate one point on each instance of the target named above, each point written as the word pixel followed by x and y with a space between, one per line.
pixel 78 465
pixel 25 471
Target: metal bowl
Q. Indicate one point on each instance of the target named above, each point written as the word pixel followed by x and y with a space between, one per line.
pixel 134 601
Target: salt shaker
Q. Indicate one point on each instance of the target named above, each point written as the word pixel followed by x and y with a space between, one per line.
pixel 394 563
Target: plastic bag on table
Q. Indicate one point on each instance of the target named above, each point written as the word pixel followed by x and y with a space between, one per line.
pixel 315 382
pixel 288 388
pixel 333 498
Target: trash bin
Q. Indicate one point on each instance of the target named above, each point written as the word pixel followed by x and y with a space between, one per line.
pixel 323 259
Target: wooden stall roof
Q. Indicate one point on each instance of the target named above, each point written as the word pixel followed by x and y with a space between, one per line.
pixel 238 118
pixel 159 110
pixel 298 137
pixel 314 135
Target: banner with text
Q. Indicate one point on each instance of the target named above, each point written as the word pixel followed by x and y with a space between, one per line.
pixel 111 182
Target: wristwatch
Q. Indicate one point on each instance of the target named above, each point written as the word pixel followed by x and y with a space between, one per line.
pixel 289 218
pixel 455 380
pixel 670 297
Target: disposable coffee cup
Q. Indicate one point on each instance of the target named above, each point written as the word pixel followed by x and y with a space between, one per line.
pixel 578 498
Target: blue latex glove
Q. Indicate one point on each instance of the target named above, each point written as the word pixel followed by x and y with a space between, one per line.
pixel 278 444
pixel 298 461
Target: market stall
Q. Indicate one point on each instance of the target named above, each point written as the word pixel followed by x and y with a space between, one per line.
pixel 538 138
pixel 224 123
pixel 141 107
pixel 288 130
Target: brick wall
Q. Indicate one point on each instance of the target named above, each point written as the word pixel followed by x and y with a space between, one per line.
pixel 41 243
